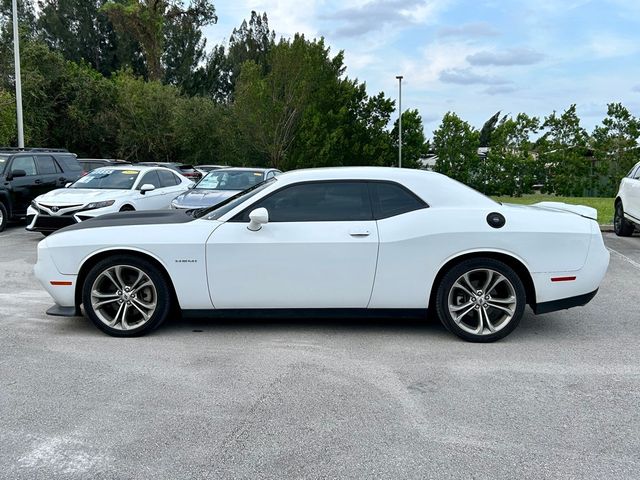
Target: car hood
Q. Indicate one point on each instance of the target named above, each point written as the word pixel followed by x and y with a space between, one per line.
pixel 74 196
pixel 127 219
pixel 200 198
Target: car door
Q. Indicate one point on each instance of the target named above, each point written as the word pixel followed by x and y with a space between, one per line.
pixel 49 173
pixel 154 199
pixel 24 188
pixel 633 187
pixel 172 186
pixel 318 250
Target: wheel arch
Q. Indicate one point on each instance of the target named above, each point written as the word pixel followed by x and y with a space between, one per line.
pixel 515 263
pixel 89 262
pixel 127 207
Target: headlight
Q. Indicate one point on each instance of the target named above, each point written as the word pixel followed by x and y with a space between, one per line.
pixel 35 205
pixel 174 204
pixel 94 205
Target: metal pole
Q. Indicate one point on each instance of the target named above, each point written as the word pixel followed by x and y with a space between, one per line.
pixel 16 57
pixel 399 77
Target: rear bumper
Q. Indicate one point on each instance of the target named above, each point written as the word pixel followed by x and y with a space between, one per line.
pixel 564 303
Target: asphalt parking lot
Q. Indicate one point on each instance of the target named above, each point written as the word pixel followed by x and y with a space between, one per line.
pixel 559 398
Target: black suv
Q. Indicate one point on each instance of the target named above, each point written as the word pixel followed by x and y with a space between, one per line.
pixel 26 173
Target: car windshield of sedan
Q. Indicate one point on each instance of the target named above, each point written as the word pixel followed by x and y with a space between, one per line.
pixel 229 180
pixel 3 161
pixel 215 212
pixel 108 179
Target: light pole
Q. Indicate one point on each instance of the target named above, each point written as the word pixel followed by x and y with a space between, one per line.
pixel 16 58
pixel 399 77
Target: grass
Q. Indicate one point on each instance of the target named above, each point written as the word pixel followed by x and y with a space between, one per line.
pixel 603 205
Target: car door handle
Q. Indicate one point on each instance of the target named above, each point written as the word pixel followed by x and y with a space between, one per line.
pixel 37 182
pixel 360 234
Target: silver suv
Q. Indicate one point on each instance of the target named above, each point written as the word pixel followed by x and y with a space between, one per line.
pixel 627 204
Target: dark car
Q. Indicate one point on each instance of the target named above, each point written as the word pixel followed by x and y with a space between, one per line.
pixel 26 173
pixel 218 185
pixel 183 169
pixel 89 164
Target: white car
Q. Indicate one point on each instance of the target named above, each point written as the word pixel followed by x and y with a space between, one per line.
pixel 342 241
pixel 106 190
pixel 627 204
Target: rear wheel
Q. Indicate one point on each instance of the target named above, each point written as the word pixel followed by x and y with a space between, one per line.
pixel 480 300
pixel 621 225
pixel 3 217
pixel 126 296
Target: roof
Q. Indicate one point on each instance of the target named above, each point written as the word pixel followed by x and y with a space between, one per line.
pixel 434 188
pixel 245 169
pixel 141 168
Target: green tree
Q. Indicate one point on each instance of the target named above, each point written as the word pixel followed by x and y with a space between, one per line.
pixel 8 132
pixel 511 166
pixel 616 148
pixel 414 144
pixel 563 151
pixel 148 21
pixel 456 143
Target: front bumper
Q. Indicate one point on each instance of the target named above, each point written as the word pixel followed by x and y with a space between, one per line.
pixel 61 287
pixel 42 221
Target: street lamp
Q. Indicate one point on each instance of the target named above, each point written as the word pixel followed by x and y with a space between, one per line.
pixel 16 58
pixel 399 77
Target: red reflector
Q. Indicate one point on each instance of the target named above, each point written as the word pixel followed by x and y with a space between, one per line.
pixel 58 283
pixel 563 279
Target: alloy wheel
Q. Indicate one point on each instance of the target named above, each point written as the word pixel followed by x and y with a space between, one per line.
pixel 482 301
pixel 123 297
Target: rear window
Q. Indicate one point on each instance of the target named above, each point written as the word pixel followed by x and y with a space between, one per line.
pixel 390 199
pixel 69 163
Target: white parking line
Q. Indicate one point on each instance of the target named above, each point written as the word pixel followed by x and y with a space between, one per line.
pixel 624 257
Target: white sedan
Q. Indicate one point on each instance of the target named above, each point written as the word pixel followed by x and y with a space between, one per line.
pixel 105 190
pixel 344 241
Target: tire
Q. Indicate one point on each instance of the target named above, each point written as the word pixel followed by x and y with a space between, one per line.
pixel 106 299
pixel 621 225
pixel 462 289
pixel 4 217
pixel 127 208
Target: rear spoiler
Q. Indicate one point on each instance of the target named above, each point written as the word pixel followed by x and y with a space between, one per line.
pixel 582 210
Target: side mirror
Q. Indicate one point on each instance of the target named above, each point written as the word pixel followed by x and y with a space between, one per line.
pixel 68 184
pixel 17 173
pixel 147 187
pixel 258 217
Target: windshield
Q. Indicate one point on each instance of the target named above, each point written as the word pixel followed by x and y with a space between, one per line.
pixel 215 212
pixel 108 179
pixel 229 180
pixel 3 162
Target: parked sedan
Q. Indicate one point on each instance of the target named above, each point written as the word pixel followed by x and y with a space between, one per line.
pixel 627 204
pixel 89 164
pixel 346 241
pixel 105 190
pixel 220 184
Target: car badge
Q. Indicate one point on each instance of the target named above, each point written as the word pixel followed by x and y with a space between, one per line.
pixel 55 209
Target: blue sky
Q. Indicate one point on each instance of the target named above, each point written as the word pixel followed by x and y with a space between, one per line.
pixel 472 57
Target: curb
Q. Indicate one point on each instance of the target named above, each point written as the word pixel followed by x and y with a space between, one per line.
pixel 606 228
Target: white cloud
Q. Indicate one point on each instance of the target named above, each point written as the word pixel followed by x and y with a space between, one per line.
pixel 606 45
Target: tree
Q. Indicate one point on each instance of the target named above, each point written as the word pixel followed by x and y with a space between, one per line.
pixel 456 143
pixel 148 20
pixel 8 131
pixel 414 144
pixel 269 108
pixel 563 151
pixel 511 166
pixel 616 147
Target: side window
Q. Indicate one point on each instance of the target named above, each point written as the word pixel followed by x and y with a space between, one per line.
pixel 390 199
pixel 47 165
pixel 167 178
pixel 150 178
pixel 316 202
pixel 69 163
pixel 24 163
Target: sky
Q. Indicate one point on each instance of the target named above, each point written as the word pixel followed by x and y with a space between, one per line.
pixel 471 57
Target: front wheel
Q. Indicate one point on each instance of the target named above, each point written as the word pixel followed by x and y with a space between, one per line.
pixel 3 217
pixel 126 296
pixel 480 300
pixel 621 225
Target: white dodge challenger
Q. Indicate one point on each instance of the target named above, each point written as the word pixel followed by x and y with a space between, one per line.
pixel 344 241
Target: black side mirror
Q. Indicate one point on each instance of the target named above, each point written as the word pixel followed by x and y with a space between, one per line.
pixel 16 174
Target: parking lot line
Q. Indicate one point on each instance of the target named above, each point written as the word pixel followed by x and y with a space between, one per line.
pixel 624 257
